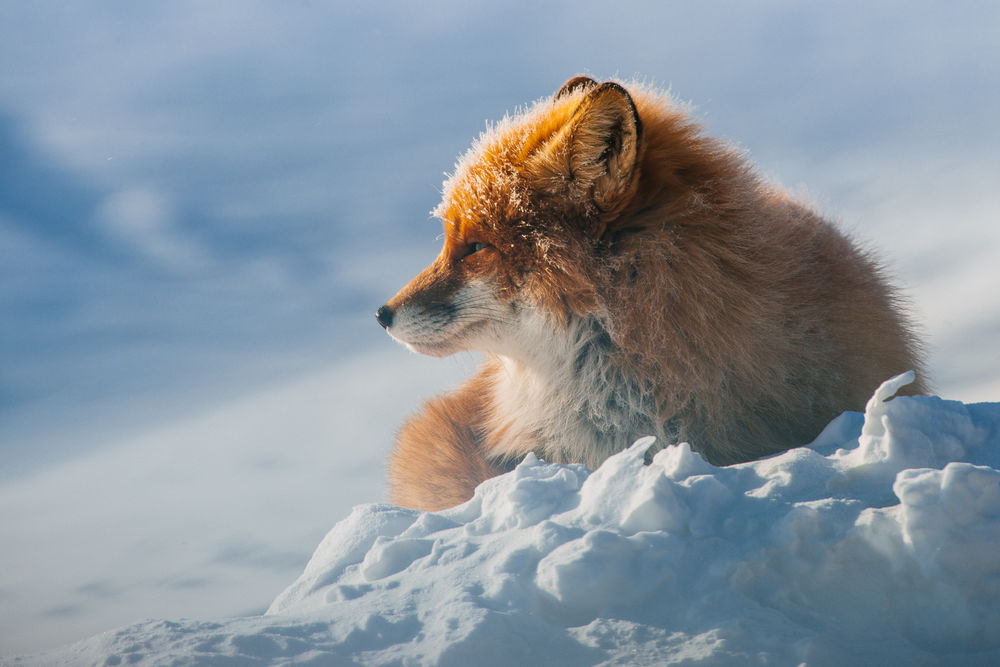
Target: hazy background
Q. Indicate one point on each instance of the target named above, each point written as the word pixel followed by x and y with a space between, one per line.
pixel 202 204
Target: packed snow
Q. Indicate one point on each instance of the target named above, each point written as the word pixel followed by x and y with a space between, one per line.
pixel 878 543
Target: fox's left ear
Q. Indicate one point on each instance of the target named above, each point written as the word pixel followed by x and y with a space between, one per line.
pixel 594 157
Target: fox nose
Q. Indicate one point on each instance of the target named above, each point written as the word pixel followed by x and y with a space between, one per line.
pixel 384 316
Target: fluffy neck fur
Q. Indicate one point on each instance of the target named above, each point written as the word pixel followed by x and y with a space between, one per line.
pixel 566 397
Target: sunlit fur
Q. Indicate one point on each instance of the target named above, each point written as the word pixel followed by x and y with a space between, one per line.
pixel 627 275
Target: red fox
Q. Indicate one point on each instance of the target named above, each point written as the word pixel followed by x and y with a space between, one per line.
pixel 627 275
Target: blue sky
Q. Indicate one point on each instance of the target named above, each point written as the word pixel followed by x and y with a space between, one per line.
pixel 196 196
pixel 199 201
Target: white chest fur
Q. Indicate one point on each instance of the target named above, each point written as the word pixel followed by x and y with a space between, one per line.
pixel 563 394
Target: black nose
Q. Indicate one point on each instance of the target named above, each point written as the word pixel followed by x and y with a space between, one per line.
pixel 384 316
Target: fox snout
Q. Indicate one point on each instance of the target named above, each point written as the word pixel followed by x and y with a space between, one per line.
pixel 443 311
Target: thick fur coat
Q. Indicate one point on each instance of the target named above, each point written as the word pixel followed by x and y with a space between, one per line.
pixel 627 275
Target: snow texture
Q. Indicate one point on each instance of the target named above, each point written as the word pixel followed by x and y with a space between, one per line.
pixel 877 544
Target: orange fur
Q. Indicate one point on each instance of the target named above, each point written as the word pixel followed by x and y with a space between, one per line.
pixel 438 460
pixel 627 275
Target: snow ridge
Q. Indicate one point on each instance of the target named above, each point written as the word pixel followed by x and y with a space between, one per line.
pixel 878 543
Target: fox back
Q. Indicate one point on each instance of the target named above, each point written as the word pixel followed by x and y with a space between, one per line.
pixel 627 275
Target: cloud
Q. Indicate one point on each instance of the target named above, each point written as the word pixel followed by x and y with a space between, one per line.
pixel 142 219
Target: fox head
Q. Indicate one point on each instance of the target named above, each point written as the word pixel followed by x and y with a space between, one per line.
pixel 525 214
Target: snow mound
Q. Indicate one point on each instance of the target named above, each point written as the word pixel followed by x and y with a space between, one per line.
pixel 880 543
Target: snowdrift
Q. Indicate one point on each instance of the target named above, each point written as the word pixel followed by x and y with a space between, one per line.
pixel 879 543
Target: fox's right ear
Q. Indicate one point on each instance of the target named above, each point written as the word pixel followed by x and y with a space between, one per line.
pixel 576 83
pixel 592 161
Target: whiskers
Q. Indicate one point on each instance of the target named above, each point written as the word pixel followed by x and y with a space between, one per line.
pixel 457 322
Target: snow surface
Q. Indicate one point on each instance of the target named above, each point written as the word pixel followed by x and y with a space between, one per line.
pixel 879 543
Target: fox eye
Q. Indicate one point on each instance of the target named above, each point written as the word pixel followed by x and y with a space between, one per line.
pixel 473 248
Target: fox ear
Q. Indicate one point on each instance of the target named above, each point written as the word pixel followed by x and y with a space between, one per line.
pixel 576 83
pixel 594 158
